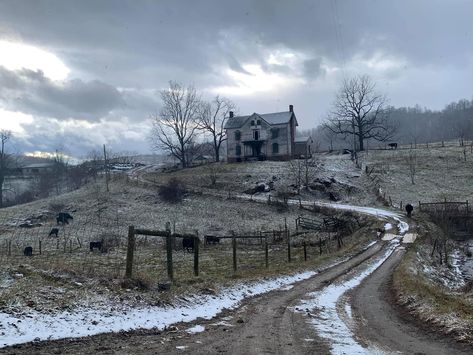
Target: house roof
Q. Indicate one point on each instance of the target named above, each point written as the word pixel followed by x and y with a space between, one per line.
pixel 271 118
pixel 38 166
pixel 301 139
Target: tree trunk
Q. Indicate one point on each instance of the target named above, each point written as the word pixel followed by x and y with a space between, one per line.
pixel 361 141
pixel 2 179
pixel 217 150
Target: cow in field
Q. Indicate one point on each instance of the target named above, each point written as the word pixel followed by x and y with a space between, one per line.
pixel 28 251
pixel 95 245
pixel 392 145
pixel 188 244
pixel 211 239
pixel 409 209
pixel 54 232
pixel 63 218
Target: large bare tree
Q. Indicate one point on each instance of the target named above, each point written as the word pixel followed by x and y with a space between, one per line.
pixel 176 125
pixel 212 120
pixel 5 160
pixel 359 111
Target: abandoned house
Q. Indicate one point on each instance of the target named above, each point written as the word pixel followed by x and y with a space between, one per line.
pixel 262 136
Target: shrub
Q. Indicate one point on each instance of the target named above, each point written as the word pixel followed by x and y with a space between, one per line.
pixel 173 191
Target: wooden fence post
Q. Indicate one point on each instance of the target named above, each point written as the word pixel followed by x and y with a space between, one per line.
pixel 305 250
pixel 129 252
pixel 9 248
pixel 320 246
pixel 196 255
pixel 266 252
pixel 234 254
pixel 39 247
pixel 169 255
pixel 288 248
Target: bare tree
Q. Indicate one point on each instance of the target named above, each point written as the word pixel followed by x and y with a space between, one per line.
pixel 5 161
pixel 359 111
pixel 176 125
pixel 302 171
pixel 212 119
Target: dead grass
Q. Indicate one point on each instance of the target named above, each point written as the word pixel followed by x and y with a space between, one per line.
pixel 448 310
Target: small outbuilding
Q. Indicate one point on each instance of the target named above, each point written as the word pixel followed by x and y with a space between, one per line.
pixel 303 147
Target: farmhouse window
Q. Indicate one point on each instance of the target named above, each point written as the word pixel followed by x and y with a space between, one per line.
pixel 252 122
pixel 238 150
pixel 256 135
pixel 237 135
pixel 275 133
pixel 258 122
pixel 275 148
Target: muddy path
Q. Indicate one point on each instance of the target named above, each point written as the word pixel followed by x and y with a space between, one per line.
pixel 266 324
pixel 378 321
pixel 275 323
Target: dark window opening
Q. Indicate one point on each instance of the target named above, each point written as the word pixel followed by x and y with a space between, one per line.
pixel 238 150
pixel 275 148
pixel 275 133
pixel 258 122
pixel 237 135
pixel 252 122
pixel 256 135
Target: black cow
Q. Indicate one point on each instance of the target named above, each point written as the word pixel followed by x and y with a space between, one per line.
pixel 96 245
pixel 54 232
pixel 28 251
pixel 188 244
pixel 409 209
pixel 63 218
pixel 393 145
pixel 210 239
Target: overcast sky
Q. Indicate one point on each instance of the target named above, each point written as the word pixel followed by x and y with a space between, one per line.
pixel 77 74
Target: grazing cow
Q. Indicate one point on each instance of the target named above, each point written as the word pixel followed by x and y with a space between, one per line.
pixel 28 251
pixel 96 245
pixel 54 232
pixel 211 239
pixel 63 218
pixel 393 145
pixel 409 209
pixel 188 244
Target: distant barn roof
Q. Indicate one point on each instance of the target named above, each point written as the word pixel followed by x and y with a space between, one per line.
pixel 271 118
pixel 301 139
pixel 38 166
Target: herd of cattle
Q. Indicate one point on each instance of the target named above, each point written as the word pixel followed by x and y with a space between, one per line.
pixel 63 218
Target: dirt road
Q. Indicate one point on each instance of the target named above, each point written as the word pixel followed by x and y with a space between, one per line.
pixel 378 322
pixel 269 324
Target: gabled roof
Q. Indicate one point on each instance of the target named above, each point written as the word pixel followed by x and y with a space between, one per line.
pixel 38 166
pixel 271 118
pixel 301 139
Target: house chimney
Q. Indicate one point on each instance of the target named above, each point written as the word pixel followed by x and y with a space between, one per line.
pixel 291 108
pixel 231 114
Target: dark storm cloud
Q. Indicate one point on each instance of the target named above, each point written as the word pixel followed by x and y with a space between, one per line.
pixel 31 92
pixel 122 52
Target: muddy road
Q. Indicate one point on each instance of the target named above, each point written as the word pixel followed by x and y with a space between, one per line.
pixel 274 323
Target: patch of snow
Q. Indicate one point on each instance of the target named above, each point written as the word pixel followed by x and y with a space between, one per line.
pixel 348 310
pixel 389 236
pixel 287 288
pixel 82 322
pixel 328 323
pixel 181 347
pixel 195 329
pixel 388 226
pixel 409 238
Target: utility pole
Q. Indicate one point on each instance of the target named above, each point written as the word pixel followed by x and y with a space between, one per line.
pixel 105 165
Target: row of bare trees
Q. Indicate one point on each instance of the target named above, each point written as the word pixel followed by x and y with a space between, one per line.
pixel 184 115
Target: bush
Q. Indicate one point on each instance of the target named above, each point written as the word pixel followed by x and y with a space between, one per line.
pixel 173 191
